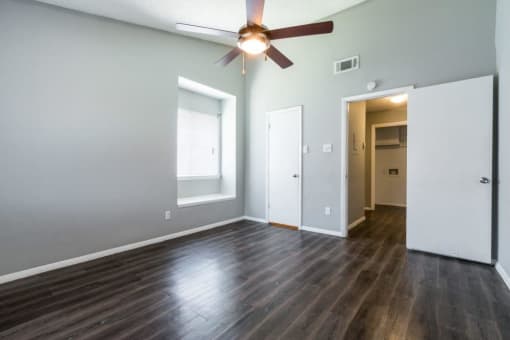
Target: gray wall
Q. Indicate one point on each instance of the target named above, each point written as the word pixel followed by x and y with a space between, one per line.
pixel 88 133
pixel 400 42
pixel 397 115
pixel 503 55
pixel 356 195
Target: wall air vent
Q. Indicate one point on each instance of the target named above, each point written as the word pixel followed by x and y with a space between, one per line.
pixel 346 65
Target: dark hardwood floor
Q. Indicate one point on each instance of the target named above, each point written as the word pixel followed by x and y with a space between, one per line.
pixel 249 280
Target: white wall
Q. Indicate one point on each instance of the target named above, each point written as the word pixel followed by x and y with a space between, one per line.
pixel 200 103
pixel 88 133
pixel 400 42
pixel 198 187
pixel 503 57
pixel 390 116
pixel 390 190
pixel 356 195
pixel 231 148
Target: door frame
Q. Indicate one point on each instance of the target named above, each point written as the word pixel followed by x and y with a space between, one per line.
pixel 374 127
pixel 299 108
pixel 344 142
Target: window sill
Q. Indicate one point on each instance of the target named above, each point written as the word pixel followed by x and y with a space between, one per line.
pixel 197 178
pixel 202 200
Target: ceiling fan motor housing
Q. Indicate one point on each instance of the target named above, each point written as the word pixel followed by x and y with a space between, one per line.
pixel 253 39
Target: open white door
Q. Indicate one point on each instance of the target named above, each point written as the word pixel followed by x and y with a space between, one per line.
pixel 284 167
pixel 449 169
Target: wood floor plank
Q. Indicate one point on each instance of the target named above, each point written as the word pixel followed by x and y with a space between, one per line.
pixel 249 280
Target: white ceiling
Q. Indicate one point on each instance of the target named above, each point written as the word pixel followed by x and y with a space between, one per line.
pixel 224 14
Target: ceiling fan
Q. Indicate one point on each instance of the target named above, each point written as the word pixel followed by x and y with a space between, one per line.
pixel 254 38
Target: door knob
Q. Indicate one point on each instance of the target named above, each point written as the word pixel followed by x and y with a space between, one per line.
pixel 295 175
pixel 485 180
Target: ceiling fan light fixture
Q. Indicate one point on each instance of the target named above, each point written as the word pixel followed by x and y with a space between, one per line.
pixel 254 44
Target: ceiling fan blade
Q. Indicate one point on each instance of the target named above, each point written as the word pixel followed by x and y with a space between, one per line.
pixel 278 57
pixel 254 11
pixel 206 30
pixel 229 57
pixel 302 30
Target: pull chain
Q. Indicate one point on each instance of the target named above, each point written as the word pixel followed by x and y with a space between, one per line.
pixel 244 64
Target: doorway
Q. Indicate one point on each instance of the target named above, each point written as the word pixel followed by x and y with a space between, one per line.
pixel 284 167
pixel 449 165
pixel 386 174
pixel 377 156
pixel 375 128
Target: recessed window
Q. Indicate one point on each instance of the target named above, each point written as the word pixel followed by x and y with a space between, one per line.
pixel 206 145
pixel 198 144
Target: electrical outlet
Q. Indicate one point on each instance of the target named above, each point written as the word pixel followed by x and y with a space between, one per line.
pixel 168 215
pixel 327 211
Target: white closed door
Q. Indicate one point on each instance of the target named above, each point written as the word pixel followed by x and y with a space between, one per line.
pixel 450 136
pixel 284 166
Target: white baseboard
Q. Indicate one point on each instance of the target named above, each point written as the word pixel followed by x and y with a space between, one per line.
pixel 323 231
pixel 357 222
pixel 93 256
pixel 504 275
pixel 255 219
pixel 393 205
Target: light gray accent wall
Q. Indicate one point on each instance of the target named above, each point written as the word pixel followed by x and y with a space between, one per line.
pixel 503 57
pixel 356 195
pixel 88 133
pixel 397 115
pixel 199 103
pixel 400 42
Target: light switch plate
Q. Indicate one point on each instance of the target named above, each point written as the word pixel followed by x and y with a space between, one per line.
pixel 168 215
pixel 327 211
pixel 327 148
pixel 306 149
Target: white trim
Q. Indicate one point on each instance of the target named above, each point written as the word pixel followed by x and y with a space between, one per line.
pixel 504 275
pixel 300 178
pixel 372 156
pixel 393 205
pixel 203 200
pixel 203 89
pixel 255 219
pixel 369 209
pixel 323 231
pixel 198 178
pixel 357 222
pixel 343 147
pixel 93 256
